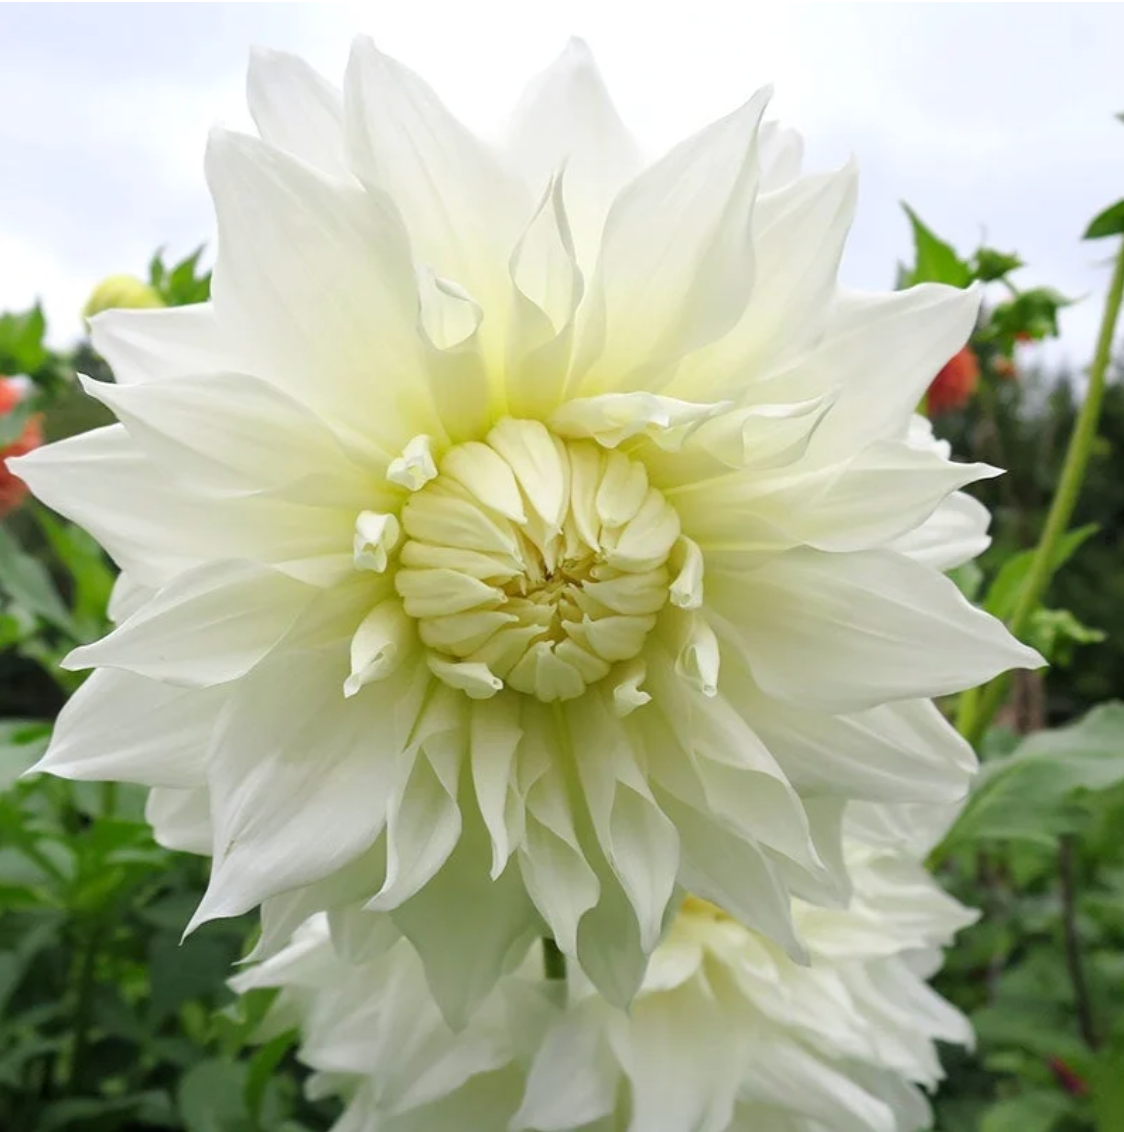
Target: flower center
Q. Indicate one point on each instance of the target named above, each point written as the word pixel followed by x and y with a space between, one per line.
pixel 534 562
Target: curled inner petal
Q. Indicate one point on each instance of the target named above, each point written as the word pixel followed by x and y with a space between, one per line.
pixel 534 562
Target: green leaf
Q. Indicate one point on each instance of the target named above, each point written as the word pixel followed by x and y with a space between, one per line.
pixel 156 269
pixel 1055 633
pixel 1003 593
pixel 1108 1089
pixel 262 1067
pixel 22 743
pixel 1029 796
pixel 21 341
pixel 211 1097
pixel 28 583
pixel 13 423
pixel 179 973
pixel 934 260
pixel 1037 1111
pixel 1031 315
pixel 991 265
pixel 83 1113
pixel 89 568
pixel 1107 223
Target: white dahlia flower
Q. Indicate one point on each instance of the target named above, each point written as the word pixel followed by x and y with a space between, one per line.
pixel 726 1032
pixel 522 535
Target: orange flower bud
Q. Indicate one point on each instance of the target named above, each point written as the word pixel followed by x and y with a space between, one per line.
pixel 13 490
pixel 953 387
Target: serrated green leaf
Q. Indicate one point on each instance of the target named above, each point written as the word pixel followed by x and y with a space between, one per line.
pixel 1110 222
pixel 1029 796
pixel 935 261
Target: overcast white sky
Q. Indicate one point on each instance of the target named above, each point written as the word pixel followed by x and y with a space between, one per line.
pixel 985 117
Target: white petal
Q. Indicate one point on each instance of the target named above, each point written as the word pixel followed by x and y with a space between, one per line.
pixel 461 207
pixel 547 287
pixel 234 431
pixel 638 841
pixel 155 527
pixel 315 277
pixel 300 779
pixel 125 728
pixel 572 1081
pixel 181 819
pixel 296 109
pixel 423 825
pixel 612 418
pixel 223 619
pixel 494 738
pixel 734 874
pixel 449 320
pixel 567 119
pixel 553 865
pixel 881 351
pixel 846 632
pixel 465 925
pixel 148 345
pixel 798 241
pixel 662 289
pixel 899 751
pixel 955 533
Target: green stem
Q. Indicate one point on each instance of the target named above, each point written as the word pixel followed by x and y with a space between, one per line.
pixel 553 961
pixel 1073 961
pixel 978 710
pixel 84 1008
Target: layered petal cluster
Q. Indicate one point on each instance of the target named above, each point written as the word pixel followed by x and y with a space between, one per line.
pixel 530 533
pixel 726 1034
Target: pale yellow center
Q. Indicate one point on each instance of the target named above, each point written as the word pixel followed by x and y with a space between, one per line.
pixel 534 562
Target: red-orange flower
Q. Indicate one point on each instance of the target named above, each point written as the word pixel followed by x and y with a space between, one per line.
pixel 953 387
pixel 12 490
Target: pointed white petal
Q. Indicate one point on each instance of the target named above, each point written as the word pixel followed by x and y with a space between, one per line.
pixel 955 533
pixel 798 238
pixel 300 779
pixel 461 207
pixel 297 110
pixel 572 1081
pixel 148 345
pixel 236 432
pixel 315 277
pixel 846 632
pixel 222 619
pixel 125 728
pixel 465 925
pixel 662 290
pixel 567 119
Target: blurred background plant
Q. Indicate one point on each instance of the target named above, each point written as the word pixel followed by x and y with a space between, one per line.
pixel 109 1024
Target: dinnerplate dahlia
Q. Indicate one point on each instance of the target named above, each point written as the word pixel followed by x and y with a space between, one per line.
pixel 521 535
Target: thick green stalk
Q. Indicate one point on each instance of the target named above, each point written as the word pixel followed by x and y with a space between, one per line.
pixel 978 710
